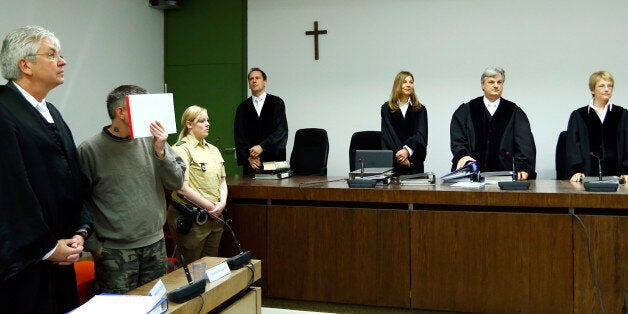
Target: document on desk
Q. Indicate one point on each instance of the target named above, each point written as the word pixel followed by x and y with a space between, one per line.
pixel 120 303
pixel 158 290
pixel 468 185
pixel 146 108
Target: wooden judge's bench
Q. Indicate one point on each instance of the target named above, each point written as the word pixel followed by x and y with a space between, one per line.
pixel 434 247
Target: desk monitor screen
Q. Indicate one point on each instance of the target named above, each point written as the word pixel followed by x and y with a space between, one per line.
pixel 374 158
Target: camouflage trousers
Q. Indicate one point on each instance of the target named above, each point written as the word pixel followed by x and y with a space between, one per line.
pixel 122 270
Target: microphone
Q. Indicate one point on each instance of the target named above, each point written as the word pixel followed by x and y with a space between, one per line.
pixel 599 164
pixel 235 262
pixel 361 182
pixel 186 269
pixel 514 184
pixel 514 170
pixel 600 185
pixel 244 257
pixel 361 168
pixel 189 291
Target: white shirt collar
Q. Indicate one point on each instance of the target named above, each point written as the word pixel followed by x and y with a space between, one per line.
pixel 601 113
pixel 491 106
pixel 261 97
pixel 35 103
pixel 404 107
pixel 260 103
pixel 29 97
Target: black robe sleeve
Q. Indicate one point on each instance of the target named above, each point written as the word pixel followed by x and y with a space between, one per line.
pixel 622 144
pixel 24 236
pixel 390 140
pixel 461 134
pixel 418 141
pixel 521 143
pixel 277 139
pixel 241 135
pixel 577 146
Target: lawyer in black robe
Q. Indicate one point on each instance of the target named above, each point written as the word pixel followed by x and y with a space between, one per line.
pixel 474 132
pixel 608 140
pixel 399 131
pixel 42 187
pixel 269 130
pixel 43 192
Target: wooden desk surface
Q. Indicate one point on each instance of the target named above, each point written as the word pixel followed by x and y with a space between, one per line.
pixel 542 193
pixel 216 292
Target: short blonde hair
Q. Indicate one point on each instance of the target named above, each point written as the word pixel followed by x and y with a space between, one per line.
pixel 597 76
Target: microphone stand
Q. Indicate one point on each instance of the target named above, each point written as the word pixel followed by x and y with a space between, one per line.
pixel 189 291
pixel 235 262
pixel 599 167
pixel 600 185
pixel 513 185
pixel 361 182
pixel 361 168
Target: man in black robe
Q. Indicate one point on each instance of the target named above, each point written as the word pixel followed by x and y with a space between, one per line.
pixel 261 127
pixel 43 220
pixel 491 131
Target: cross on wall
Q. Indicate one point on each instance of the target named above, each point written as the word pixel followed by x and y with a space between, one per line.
pixel 316 32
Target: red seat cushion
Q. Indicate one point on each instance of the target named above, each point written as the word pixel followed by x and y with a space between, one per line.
pixel 85 279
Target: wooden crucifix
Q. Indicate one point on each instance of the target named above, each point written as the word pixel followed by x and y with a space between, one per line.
pixel 316 32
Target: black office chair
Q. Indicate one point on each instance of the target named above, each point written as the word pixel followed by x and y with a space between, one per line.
pixel 364 140
pixel 310 152
pixel 561 157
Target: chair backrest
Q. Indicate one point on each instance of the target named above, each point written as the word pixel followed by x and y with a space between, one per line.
pixel 561 157
pixel 310 152
pixel 363 140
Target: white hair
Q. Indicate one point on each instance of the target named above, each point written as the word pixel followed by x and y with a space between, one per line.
pixel 491 72
pixel 23 43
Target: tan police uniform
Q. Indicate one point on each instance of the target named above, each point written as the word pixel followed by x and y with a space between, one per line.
pixel 205 169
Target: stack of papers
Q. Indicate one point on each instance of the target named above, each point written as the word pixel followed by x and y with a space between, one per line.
pixel 469 185
pixel 119 303
pixel 494 177
pixel 273 175
pixel 275 166
pixel 274 170
pixel 418 179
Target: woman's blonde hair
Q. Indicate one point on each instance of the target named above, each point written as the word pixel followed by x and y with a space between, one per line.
pixel 597 76
pixel 190 114
pixel 395 94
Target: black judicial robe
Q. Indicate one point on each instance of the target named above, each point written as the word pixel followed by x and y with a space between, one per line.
pixel 399 131
pixel 42 193
pixel 487 139
pixel 269 130
pixel 608 140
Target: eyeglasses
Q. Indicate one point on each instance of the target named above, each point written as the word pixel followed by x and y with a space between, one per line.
pixel 52 56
